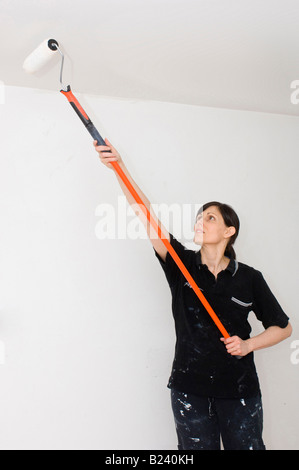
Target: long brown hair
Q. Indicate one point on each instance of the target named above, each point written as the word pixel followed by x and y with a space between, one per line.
pixel 230 219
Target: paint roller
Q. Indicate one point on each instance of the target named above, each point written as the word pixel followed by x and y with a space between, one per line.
pixel 41 56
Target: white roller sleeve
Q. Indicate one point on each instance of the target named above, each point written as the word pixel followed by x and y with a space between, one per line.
pixel 38 58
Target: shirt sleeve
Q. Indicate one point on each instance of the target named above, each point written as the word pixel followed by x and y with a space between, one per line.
pixel 265 305
pixel 170 268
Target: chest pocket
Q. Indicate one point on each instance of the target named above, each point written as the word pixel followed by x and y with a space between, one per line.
pixel 241 303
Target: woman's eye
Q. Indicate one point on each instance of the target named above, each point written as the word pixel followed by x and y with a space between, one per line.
pixel 212 217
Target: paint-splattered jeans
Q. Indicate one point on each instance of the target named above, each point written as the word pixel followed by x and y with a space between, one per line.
pixel 200 421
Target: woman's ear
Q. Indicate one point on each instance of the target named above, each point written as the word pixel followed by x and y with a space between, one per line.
pixel 229 232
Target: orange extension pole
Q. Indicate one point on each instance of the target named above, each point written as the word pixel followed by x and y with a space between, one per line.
pixel 96 135
pixel 171 250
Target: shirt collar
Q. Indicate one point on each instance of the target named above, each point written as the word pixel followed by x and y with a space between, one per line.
pixel 232 267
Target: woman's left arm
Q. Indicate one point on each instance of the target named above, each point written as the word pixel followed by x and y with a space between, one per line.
pixel 271 336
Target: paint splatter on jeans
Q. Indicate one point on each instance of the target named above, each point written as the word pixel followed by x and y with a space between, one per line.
pixel 200 421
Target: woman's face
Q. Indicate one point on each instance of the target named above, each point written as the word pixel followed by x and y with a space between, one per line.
pixel 210 227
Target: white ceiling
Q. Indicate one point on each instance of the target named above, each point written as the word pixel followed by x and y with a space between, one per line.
pixel 236 54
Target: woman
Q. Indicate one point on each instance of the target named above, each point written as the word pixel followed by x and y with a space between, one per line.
pixel 214 386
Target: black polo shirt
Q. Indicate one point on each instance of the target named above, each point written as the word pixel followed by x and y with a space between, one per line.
pixel 202 365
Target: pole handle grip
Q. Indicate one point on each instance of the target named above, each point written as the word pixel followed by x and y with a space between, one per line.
pixel 83 116
pixel 95 134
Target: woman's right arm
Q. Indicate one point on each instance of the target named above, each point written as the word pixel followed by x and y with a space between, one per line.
pixel 109 154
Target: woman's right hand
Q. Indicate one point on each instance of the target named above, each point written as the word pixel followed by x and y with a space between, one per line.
pixel 107 153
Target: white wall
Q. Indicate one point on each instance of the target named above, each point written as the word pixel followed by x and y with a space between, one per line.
pixel 86 323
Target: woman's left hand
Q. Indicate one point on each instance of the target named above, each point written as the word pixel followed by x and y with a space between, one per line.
pixel 236 346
